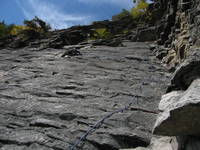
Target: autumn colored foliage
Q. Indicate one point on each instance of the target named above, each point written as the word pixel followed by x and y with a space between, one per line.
pixel 35 25
pixel 140 9
pixel 137 12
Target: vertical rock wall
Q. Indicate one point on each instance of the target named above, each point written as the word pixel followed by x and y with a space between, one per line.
pixel 179 29
pixel 179 41
pixel 180 109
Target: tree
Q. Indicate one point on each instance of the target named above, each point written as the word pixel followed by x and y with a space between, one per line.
pixel 42 24
pixel 122 14
pixel 37 24
pixel 31 28
pixel 140 9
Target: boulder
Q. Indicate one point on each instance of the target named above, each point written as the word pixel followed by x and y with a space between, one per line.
pixel 168 99
pixel 181 111
pixel 71 52
pixel 163 143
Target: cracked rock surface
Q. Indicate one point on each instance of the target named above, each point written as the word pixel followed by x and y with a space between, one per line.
pixel 48 101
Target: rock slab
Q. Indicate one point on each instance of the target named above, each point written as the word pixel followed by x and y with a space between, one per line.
pixel 181 111
pixel 48 101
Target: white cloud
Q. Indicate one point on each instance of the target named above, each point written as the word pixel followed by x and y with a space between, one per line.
pixel 122 3
pixel 50 13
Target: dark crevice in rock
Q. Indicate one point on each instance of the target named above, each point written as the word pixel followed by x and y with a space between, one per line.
pixel 6 142
pixel 126 141
pixel 103 146
pixel 10 142
pixel 184 76
pixel 68 116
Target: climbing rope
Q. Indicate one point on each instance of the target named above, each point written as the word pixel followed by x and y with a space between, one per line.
pixel 98 124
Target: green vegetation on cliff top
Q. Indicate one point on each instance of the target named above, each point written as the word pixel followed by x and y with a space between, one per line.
pixel 138 13
pixel 37 26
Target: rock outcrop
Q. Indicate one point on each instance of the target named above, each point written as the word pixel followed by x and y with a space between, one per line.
pixel 179 51
pixel 177 26
pixel 56 87
pixel 74 35
pixel 180 114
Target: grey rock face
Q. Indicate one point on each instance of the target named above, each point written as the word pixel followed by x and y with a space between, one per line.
pixel 188 143
pixel 169 99
pixel 71 36
pixel 160 143
pixel 172 143
pixel 48 101
pixel 148 34
pixel 164 143
pixel 181 112
pixel 138 148
pixel 188 71
pixel 114 42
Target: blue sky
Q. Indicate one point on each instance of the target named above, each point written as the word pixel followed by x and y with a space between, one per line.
pixel 61 13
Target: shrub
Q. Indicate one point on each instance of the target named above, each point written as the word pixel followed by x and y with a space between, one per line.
pixel 101 33
pixel 121 15
pixel 34 28
pixel 5 29
pixel 30 29
pixel 125 31
pixel 140 10
pixel 17 29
